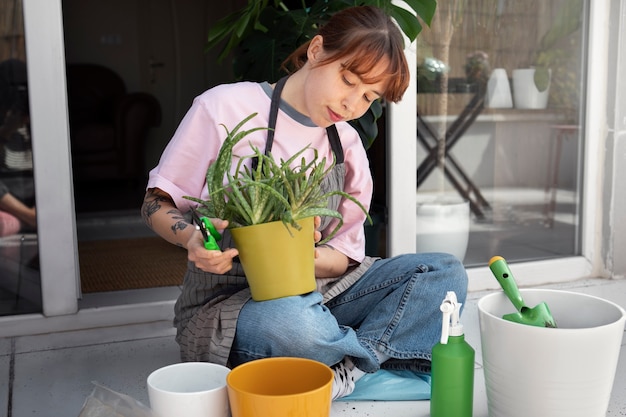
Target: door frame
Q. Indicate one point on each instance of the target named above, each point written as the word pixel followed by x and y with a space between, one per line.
pixel 58 248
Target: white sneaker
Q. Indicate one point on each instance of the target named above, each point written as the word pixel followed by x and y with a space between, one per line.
pixel 343 384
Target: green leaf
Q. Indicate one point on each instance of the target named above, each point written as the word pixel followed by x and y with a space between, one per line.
pixel 409 24
pixel 218 171
pixel 425 9
pixel 242 25
pixel 542 78
pixel 566 22
pixel 287 190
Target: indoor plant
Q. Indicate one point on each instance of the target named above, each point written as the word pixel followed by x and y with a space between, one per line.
pixel 279 197
pixel 263 33
pixel 551 61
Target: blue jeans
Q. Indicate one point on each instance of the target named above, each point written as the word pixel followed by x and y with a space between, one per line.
pixel 393 308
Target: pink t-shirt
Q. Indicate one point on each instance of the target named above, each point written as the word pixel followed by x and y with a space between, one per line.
pixel 182 168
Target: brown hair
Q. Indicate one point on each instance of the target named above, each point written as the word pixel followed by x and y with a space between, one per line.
pixel 367 35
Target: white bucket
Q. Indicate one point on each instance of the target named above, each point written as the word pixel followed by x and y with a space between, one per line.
pixel 443 226
pixel 562 372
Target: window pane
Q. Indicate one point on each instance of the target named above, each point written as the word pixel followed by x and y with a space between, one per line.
pixel 20 286
pixel 499 123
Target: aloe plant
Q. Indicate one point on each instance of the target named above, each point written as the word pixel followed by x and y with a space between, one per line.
pixel 270 191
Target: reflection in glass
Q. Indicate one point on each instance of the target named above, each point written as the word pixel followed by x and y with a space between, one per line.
pixel 20 286
pixel 517 163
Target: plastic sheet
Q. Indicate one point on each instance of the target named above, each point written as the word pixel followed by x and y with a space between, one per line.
pixel 104 402
pixel 391 385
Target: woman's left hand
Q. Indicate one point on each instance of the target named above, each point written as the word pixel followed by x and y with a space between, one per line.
pixel 317 235
pixel 329 263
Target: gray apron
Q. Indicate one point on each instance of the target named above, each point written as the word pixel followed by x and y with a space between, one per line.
pixel 206 312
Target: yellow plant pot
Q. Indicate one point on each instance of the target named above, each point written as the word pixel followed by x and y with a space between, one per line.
pixel 278 260
pixel 280 387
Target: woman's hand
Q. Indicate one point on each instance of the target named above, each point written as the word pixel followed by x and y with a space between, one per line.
pixel 13 120
pixel 329 263
pixel 213 261
pixel 317 235
pixel 163 217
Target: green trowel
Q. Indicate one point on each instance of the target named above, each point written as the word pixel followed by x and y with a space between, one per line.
pixel 536 316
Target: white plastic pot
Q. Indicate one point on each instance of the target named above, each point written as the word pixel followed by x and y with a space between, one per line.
pixel 443 226
pixel 525 92
pixel 537 371
pixel 498 90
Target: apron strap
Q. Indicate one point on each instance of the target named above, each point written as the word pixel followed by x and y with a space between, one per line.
pixel 278 89
pixel 335 143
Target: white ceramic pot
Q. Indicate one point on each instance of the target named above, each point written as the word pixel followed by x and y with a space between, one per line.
pixel 498 90
pixel 443 226
pixel 525 92
pixel 538 371
pixel 190 389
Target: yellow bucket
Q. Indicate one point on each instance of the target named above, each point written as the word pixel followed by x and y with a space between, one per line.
pixel 280 387
pixel 278 260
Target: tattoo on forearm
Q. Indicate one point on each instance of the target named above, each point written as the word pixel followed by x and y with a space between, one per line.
pixel 148 209
pixel 152 204
pixel 180 225
pixel 176 214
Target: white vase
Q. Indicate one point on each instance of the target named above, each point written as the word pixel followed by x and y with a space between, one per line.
pixel 498 90
pixel 443 226
pixel 525 92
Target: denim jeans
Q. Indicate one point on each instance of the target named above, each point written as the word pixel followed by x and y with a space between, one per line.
pixel 393 308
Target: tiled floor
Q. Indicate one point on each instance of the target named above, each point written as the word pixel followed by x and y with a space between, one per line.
pixel 52 374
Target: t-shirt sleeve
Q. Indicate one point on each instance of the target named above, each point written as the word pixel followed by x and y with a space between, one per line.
pixel 182 168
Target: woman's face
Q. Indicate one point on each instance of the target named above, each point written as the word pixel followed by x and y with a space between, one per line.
pixel 333 94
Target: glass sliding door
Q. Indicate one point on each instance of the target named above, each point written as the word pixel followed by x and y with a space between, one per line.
pixel 500 96
pixel 504 151
pixel 20 286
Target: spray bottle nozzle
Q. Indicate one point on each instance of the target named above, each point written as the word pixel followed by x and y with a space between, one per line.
pixel 451 309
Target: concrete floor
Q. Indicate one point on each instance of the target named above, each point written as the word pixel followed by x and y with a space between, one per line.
pixel 52 374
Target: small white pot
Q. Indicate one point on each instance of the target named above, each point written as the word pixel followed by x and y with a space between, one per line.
pixel 190 389
pixel 525 92
pixel 498 90
pixel 443 226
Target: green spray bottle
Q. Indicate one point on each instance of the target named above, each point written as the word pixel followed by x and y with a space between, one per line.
pixel 452 374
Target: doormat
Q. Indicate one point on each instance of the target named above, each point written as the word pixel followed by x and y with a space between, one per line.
pixel 127 264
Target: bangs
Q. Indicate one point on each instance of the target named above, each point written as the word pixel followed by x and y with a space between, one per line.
pixel 362 63
pixel 366 57
pixel 361 38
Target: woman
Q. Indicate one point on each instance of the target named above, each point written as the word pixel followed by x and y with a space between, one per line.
pixel 366 311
